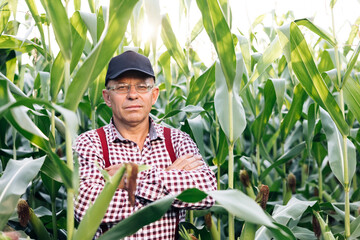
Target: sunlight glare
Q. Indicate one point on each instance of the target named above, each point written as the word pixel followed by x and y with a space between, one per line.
pixel 147 31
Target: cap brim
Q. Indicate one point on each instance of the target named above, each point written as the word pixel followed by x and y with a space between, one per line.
pixel 117 74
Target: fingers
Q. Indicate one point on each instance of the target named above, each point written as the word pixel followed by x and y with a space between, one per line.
pixel 193 166
pixel 187 162
pixel 193 163
pixel 184 157
pixel 112 169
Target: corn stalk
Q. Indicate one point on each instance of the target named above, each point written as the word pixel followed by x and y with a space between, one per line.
pixel 344 137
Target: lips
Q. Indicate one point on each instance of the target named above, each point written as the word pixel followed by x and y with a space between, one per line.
pixel 133 107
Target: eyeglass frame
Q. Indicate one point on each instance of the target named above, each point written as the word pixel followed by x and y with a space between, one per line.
pixel 149 87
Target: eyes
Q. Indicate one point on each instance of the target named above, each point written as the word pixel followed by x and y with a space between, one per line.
pixel 125 88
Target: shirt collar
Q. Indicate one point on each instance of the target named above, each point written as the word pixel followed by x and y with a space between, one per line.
pixel 115 135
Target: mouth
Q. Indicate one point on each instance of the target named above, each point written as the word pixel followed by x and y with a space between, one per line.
pixel 133 107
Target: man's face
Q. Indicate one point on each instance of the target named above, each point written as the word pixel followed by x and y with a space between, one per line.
pixel 132 108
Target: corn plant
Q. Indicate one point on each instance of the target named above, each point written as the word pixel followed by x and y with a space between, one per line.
pixel 278 122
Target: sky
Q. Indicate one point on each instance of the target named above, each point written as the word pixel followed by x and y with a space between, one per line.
pixel 244 13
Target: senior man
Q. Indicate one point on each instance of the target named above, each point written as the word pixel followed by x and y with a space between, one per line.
pixel 132 136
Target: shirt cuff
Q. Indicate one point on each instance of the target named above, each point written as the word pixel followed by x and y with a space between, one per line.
pixel 150 185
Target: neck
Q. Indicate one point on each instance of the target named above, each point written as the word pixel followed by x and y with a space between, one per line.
pixel 136 133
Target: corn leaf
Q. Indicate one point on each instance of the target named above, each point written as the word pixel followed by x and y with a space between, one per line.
pixel 11 42
pixel 294 113
pixel 95 89
pixel 320 32
pixel 43 78
pixel 272 53
pixel 144 216
pixel 77 5
pixel 172 45
pixel 283 34
pixel 92 5
pixel 327 61
pixel 311 114
pixel 93 216
pixel 165 64
pixel 78 31
pixel 279 85
pixel 4 15
pixel 352 96
pixel 355 228
pixel 51 170
pixel 287 156
pixel 35 14
pixel 307 73
pixel 258 127
pixel 242 206
pixel 56 76
pixel 335 149
pixel 248 231
pixel 13 183
pixel 245 51
pixel 283 214
pixel 201 86
pixel 57 15
pixel 351 92
pixel 353 33
pixel 351 65
pixel 222 149
pixel 120 11
pixel 90 21
pixel 222 106
pixel 18 117
pixel 100 23
pixel 196 30
pixel 233 201
pixel 219 32
pixel 319 152
pixel 197 129
pixel 14 110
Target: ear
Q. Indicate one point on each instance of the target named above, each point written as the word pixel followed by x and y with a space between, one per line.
pixel 106 97
pixel 155 94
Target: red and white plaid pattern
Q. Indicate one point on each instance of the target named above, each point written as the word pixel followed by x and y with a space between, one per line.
pixel 153 184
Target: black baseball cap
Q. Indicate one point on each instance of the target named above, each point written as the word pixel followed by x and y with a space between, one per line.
pixel 128 61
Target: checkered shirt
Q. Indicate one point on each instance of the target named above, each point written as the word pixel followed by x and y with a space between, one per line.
pixel 152 184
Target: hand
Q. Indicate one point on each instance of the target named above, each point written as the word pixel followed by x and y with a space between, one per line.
pixel 187 162
pixel 112 170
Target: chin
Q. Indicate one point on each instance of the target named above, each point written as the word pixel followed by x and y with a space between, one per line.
pixel 134 120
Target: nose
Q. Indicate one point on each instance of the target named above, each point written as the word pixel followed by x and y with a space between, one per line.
pixel 132 92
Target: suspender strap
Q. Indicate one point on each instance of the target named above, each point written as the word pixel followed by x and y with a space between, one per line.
pixel 170 149
pixel 168 143
pixel 104 146
pixel 100 131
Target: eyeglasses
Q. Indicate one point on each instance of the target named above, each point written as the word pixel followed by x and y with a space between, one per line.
pixel 125 87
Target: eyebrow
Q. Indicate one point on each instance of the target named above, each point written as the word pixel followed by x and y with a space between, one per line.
pixel 146 81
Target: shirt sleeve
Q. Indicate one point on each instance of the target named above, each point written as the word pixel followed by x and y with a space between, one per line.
pixel 157 183
pixel 92 182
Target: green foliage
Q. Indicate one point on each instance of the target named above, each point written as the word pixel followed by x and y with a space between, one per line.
pixel 13 183
pixel 218 30
pixel 227 107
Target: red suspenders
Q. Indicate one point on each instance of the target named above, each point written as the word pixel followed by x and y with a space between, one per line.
pixel 104 146
pixel 169 148
pixel 168 143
